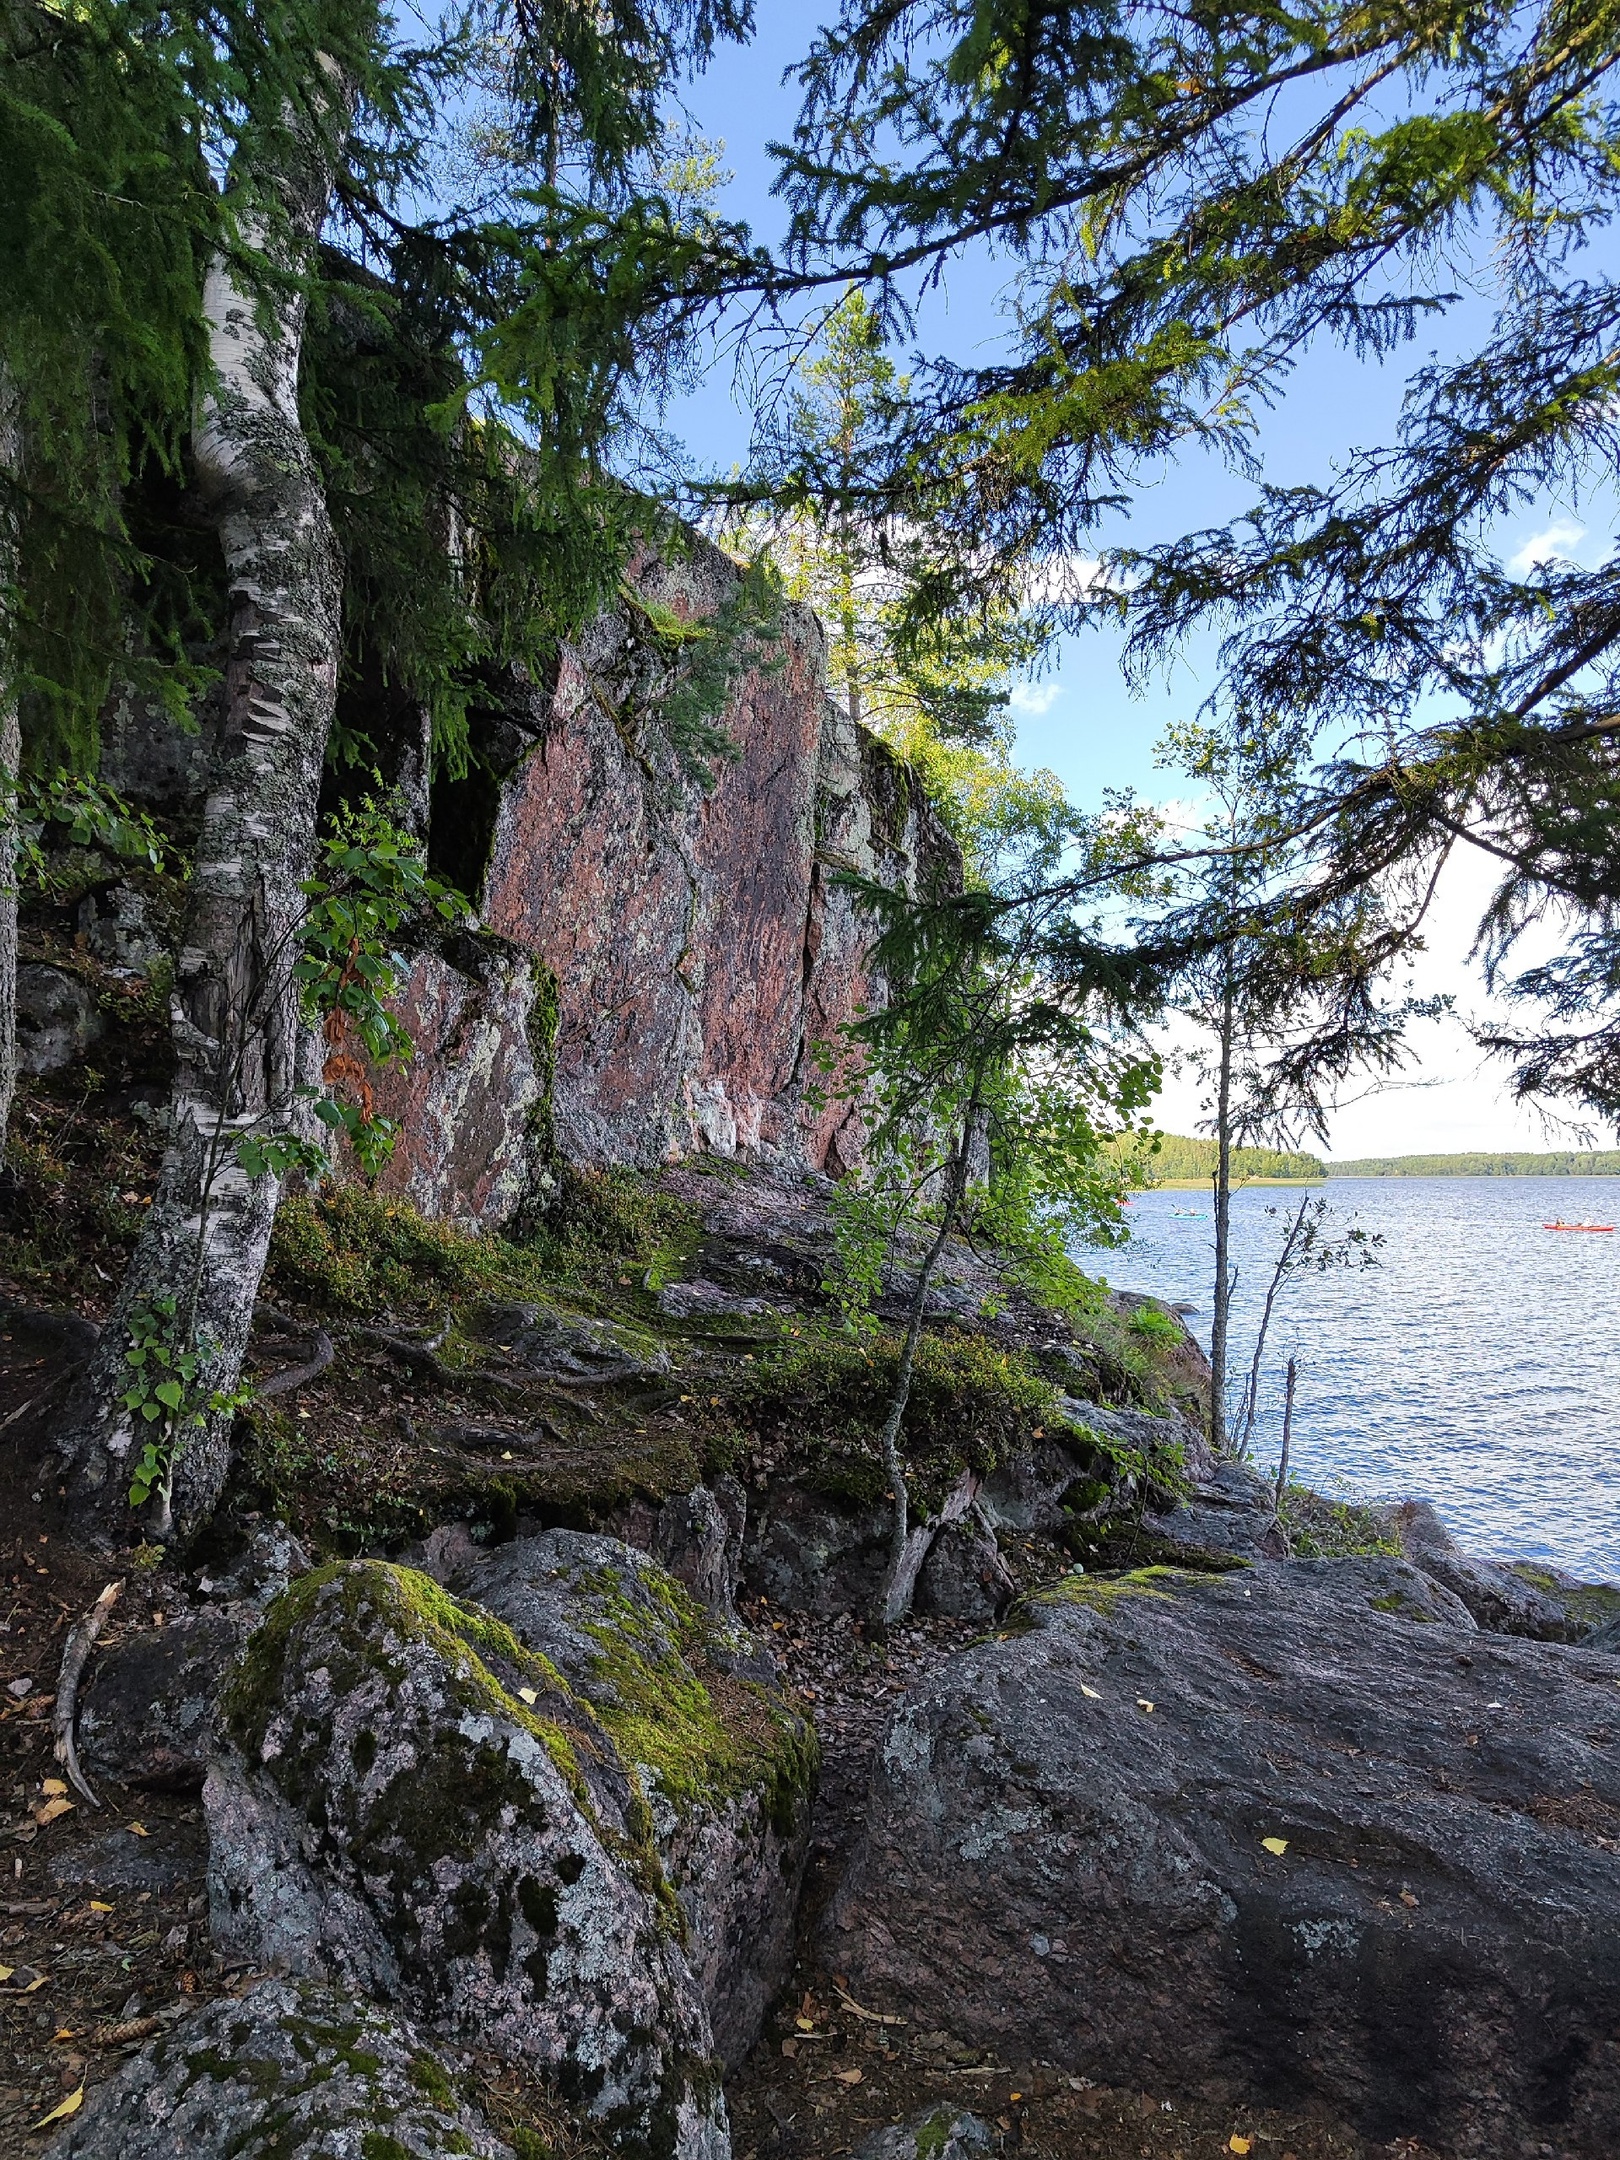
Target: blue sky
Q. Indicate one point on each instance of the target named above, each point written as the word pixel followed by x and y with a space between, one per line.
pixel 1081 719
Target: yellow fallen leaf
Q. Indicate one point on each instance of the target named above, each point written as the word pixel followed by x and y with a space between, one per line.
pixel 65 2033
pixel 1091 1691
pixel 1277 1845
pixel 35 1985
pixel 52 1785
pixel 1142 1703
pixel 1239 2144
pixel 138 1829
pixel 70 2106
pixel 52 1808
pixel 528 1695
pixel 96 1905
pixel 6 1971
pixel 805 2024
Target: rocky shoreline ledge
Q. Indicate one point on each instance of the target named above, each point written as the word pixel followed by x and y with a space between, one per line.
pixel 545 1789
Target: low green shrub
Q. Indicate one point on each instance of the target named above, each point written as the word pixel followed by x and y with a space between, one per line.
pixel 1323 1529
pixel 354 1249
pixel 824 1399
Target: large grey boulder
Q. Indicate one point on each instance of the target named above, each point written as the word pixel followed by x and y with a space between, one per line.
pixel 147 1718
pixel 699 1540
pixel 291 2070
pixel 964 1576
pixel 1297 1833
pixel 411 1805
pixel 57 1020
pixel 1497 1597
pixel 1589 1605
pixel 810 1549
pixel 691 1704
pixel 147 1715
pixel 1230 1509
pixel 559 1345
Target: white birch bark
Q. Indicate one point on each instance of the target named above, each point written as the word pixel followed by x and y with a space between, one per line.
pixel 237 1036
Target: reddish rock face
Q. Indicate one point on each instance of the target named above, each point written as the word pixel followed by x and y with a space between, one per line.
pixel 467 1103
pixel 700 947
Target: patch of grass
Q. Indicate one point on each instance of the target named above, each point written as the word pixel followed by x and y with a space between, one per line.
pixel 1322 1529
pixel 605 1225
pixel 822 1401
pixel 352 1249
pixel 1138 1357
pixel 1104 1594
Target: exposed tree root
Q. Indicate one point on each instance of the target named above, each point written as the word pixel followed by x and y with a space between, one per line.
pixel 81 1641
pixel 322 1353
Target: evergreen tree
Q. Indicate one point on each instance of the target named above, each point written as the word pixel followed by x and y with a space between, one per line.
pixel 934 685
pixel 1183 203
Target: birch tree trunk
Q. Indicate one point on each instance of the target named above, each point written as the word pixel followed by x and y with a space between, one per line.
pixel 237 1034
pixel 10 769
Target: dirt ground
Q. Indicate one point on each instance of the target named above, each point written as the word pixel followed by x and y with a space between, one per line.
pixel 103 1935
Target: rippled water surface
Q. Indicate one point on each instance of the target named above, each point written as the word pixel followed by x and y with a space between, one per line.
pixel 1476 1366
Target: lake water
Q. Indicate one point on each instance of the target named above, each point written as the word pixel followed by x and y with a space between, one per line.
pixel 1477 1365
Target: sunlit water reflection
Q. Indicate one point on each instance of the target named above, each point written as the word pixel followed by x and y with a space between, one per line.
pixel 1476 1365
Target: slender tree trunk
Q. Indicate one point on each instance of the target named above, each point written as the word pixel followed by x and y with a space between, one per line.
pixel 905 1561
pixel 10 767
pixel 1222 1312
pixel 1287 1435
pixel 1251 1394
pixel 239 1043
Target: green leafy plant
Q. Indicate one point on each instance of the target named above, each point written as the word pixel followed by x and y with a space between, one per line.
pixel 94 816
pixel 372 879
pixel 168 1393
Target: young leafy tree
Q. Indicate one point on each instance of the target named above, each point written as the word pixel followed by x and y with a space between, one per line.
pixel 370 883
pixel 1308 1247
pixel 990 1104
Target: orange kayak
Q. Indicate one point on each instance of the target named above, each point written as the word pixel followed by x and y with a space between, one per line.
pixel 1607 1227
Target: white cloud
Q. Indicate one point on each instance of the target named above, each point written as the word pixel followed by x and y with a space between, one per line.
pixel 1557 544
pixel 1035 698
pixel 1066 577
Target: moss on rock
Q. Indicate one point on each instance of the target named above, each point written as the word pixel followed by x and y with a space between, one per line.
pixel 375 1613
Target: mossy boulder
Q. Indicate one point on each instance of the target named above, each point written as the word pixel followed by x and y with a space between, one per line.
pixel 690 1703
pixel 548 1339
pixel 292 2069
pixel 412 1804
pixel 1590 1606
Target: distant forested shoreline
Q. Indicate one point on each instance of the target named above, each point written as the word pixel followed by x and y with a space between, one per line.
pixel 1178 1160
pixel 1569 1162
